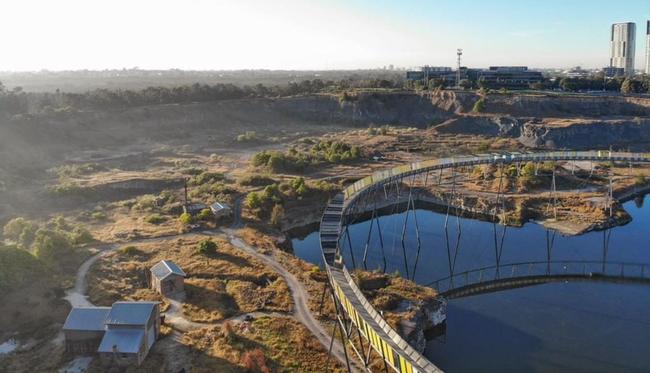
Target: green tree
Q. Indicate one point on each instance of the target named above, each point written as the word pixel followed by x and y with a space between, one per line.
pixel 14 228
pixel 275 162
pixel 80 236
pixel 207 248
pixel 355 152
pixel 253 200
pixel 528 169
pixel 627 86
pixel 51 246
pixel 21 231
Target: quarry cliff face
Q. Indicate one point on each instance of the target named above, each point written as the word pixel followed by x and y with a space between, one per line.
pixel 545 106
pixel 599 121
pixel 595 134
pixel 398 108
pixel 552 122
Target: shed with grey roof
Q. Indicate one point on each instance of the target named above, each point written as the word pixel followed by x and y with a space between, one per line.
pixel 84 329
pixel 221 210
pixel 131 330
pixel 167 278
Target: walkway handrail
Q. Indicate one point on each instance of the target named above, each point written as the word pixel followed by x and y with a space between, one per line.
pixel 407 359
pixel 616 264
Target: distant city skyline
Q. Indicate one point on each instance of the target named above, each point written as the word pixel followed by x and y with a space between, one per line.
pixel 312 35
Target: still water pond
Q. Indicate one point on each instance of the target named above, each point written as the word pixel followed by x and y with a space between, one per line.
pixel 570 326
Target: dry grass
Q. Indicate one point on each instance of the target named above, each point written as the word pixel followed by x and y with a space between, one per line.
pixel 286 344
pixel 220 286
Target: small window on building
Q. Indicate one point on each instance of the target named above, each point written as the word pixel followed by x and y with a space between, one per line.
pixel 124 356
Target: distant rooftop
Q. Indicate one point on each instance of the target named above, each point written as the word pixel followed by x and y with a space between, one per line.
pixel 87 318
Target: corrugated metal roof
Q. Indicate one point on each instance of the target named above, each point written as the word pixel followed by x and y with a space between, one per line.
pixel 87 318
pixel 130 313
pixel 165 268
pixel 218 206
pixel 124 340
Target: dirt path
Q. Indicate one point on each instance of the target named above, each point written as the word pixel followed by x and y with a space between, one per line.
pixel 300 298
pixel 77 295
pixel 174 316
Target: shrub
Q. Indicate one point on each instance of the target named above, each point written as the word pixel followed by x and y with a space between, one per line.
pixel 19 268
pixel 255 180
pixel 67 188
pixel 639 179
pixel 76 170
pixel 50 246
pixel 228 331
pixel 255 362
pixel 21 231
pixel 207 247
pixel 528 169
pixel 483 146
pixel 325 186
pixel 146 202
pixel 194 171
pixel 205 214
pixel 253 200
pixel 155 219
pixel 13 229
pixel 276 215
pixel 206 177
pixel 98 215
pixel 186 218
pixel 479 106
pixel 248 136
pixel 130 251
pixel 80 236
pixel 261 158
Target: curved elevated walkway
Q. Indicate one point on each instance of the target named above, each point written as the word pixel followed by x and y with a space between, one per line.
pixel 394 350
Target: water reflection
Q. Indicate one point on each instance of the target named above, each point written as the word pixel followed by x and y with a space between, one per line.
pixel 560 326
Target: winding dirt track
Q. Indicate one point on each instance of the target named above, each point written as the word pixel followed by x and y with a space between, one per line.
pixel 77 296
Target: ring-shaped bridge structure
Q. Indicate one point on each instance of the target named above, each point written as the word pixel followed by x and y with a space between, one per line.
pixel 394 350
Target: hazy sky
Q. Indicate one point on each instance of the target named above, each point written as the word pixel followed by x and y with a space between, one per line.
pixel 310 34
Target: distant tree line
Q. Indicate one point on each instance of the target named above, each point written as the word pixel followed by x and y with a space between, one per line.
pixel 593 83
pixel 17 101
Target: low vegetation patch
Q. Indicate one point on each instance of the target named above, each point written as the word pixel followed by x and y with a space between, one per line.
pixel 299 159
pixel 269 202
pixel 155 219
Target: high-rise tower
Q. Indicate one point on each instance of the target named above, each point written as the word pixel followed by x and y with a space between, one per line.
pixel 622 46
pixel 647 48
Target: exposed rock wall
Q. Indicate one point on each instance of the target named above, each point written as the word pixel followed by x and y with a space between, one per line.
pixel 586 135
pixel 548 105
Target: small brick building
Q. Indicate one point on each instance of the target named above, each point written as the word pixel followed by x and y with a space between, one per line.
pixel 167 278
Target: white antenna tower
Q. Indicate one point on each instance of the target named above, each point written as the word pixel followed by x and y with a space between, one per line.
pixel 459 52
